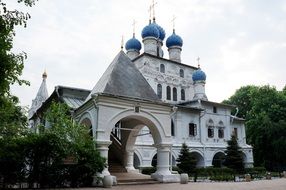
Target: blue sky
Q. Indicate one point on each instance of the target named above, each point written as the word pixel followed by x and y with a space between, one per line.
pixel 240 42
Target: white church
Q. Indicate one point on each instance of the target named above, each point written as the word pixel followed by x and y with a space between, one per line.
pixel 145 106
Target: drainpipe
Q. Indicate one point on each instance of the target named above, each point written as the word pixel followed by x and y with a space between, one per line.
pixel 96 108
pixel 174 111
pixel 204 146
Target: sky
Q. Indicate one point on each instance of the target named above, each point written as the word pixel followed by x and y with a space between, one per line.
pixel 239 42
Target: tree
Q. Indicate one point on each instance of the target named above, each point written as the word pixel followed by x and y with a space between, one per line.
pixel 13 121
pixel 11 64
pixel 265 111
pixel 186 161
pixel 63 140
pixel 234 155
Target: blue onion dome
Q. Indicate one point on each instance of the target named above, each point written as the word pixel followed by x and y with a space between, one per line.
pixel 151 30
pixel 133 43
pixel 162 32
pixel 199 75
pixel 174 40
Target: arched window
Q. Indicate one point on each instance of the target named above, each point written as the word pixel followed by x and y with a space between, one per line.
pixel 162 68
pixel 221 130
pixel 159 91
pixel 174 94
pixel 182 73
pixel 210 129
pixel 172 128
pixel 183 94
pixel 168 93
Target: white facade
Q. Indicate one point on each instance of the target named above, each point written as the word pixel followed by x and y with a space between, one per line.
pixel 146 105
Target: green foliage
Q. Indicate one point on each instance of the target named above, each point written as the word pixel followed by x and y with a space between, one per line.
pixel 233 157
pixel 13 122
pixel 211 171
pixel 42 158
pixel 265 111
pixel 222 178
pixel 11 64
pixel 186 161
pixel 63 139
pixel 12 159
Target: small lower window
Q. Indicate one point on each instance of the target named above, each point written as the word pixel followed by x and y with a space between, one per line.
pixel 235 132
pixel 172 128
pixel 221 133
pixel 210 132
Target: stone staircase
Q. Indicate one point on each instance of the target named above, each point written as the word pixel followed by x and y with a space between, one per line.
pixel 133 179
pixel 115 167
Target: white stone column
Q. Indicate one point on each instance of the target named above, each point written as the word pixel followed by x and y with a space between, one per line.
pixel 102 147
pixel 163 163
pixel 163 173
pixel 129 160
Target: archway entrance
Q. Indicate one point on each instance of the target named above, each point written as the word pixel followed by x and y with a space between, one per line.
pixel 123 137
pixel 199 159
pixel 218 160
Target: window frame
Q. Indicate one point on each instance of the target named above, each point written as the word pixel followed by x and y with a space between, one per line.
pixel 192 129
pixel 168 93
pixel 173 133
pixel 159 91
pixel 162 68
pixel 183 94
pixel 182 73
pixel 175 94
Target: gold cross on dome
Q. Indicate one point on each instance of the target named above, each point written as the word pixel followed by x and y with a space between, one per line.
pixel 173 21
pixel 153 7
pixel 150 12
pixel 198 60
pixel 133 24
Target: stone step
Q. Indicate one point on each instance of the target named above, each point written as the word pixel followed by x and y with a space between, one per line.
pixel 136 181
pixel 115 167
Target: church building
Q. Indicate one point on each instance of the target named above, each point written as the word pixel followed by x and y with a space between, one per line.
pixel 145 106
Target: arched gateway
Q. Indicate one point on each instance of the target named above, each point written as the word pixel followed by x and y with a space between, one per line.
pixel 118 124
pixel 121 104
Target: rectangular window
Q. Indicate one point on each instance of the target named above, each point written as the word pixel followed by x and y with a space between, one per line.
pixel 214 109
pixel 172 128
pixel 210 132
pixel 192 129
pixel 221 133
pixel 137 109
pixel 235 132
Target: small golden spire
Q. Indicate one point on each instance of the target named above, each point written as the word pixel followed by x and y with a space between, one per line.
pixel 45 74
pixel 122 42
pixel 198 60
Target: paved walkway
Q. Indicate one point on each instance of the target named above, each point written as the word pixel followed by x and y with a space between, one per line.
pixel 276 184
